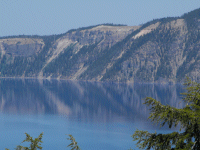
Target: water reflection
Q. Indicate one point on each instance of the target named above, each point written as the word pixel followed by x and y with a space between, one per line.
pixel 86 100
pixel 103 114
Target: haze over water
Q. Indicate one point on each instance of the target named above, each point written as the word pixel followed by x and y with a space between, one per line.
pixel 98 115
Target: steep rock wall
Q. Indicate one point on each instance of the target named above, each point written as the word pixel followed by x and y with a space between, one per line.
pixel 162 50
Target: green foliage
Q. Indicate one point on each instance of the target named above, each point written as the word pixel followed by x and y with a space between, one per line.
pixel 191 18
pixel 162 36
pixel 65 63
pixel 61 64
pixel 191 43
pixel 188 118
pixel 35 143
pixel 99 64
pixel 73 143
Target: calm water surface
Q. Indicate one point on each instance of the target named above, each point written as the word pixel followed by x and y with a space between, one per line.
pixel 100 116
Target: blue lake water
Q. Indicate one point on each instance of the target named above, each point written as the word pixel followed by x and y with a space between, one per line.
pixel 101 116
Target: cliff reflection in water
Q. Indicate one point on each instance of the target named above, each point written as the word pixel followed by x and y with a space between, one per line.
pixel 97 101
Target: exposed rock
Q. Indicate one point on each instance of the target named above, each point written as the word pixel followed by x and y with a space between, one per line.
pixel 162 50
pixel 21 46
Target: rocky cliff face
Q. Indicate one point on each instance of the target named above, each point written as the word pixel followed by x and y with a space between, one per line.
pixel 162 50
pixel 20 46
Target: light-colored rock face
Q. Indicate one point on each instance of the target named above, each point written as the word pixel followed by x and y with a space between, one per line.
pixel 105 36
pixel 146 30
pixel 108 35
pixel 21 41
pixel 21 46
pixel 105 28
pixel 160 51
pixel 61 45
pixel 152 60
pixel 176 23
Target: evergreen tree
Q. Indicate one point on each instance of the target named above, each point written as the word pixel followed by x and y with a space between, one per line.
pixel 187 118
pixel 35 143
pixel 73 143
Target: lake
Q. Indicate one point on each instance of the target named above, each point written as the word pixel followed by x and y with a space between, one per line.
pixel 100 116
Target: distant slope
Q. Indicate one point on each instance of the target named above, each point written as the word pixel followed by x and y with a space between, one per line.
pixel 162 50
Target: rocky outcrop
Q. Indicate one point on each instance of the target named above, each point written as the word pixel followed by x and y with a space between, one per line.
pixel 21 46
pixel 162 50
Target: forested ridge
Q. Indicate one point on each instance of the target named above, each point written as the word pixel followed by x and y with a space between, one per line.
pixel 161 50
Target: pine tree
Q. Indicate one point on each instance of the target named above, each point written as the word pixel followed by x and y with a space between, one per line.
pixel 187 119
pixel 35 143
pixel 73 144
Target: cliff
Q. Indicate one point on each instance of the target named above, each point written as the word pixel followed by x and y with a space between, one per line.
pixel 162 50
